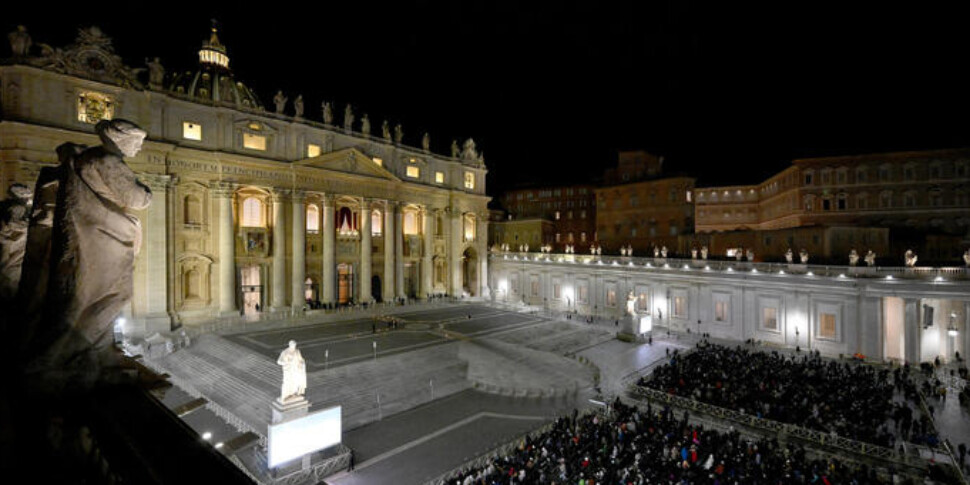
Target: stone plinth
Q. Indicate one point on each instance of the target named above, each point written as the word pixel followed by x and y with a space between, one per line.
pixel 292 408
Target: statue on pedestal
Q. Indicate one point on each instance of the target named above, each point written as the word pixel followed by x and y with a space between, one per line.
pixel 704 252
pixel 298 106
pixel 738 254
pixel 631 302
pixel 455 151
pixel 365 124
pixel 599 250
pixel 870 258
pixel 750 255
pixel 803 256
pixel 348 118
pixel 693 253
pixel 14 215
pixel 853 257
pixel 156 73
pixel 294 373
pixel 327 113
pixel 280 101
pixel 398 133
pixel 789 256
pixel 386 131
pixel 910 258
pixel 426 142
pixel 20 41
pixel 656 252
pixel 663 252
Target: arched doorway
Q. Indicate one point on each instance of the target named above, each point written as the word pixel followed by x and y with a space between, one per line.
pixel 375 288
pixel 252 289
pixel 469 271
pixel 345 283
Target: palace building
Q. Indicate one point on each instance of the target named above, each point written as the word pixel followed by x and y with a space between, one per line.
pixel 253 210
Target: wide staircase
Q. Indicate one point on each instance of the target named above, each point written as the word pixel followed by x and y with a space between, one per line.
pixel 244 383
pixel 558 337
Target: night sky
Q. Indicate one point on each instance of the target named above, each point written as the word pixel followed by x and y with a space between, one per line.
pixel 550 90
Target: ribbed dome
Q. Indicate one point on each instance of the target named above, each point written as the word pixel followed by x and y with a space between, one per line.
pixel 213 81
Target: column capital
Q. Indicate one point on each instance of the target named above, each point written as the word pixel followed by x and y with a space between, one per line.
pixel 366 202
pixel 297 196
pixel 222 189
pixel 393 204
pixel 156 182
pixel 279 195
pixel 328 200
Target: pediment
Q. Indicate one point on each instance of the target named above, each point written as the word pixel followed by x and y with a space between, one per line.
pixel 350 161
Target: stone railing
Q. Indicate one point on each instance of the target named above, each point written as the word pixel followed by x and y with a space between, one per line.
pixel 812 437
pixel 941 274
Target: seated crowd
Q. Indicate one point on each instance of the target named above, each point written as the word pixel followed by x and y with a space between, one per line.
pixel 850 400
pixel 629 446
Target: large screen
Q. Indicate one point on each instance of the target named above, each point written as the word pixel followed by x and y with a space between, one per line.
pixel 292 439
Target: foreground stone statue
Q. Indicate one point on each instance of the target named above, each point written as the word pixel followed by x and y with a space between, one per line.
pixel 280 101
pixel 14 212
pixel 631 302
pixel 789 256
pixel 870 258
pixel 294 373
pixel 803 256
pixel 327 113
pixel 910 258
pixel 853 257
pixel 365 125
pixel 298 106
pixel 92 253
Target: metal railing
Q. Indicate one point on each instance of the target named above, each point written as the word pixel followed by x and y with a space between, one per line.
pixel 926 273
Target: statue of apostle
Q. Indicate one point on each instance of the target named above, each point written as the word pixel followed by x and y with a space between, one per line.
pixel 294 373
pixel 94 241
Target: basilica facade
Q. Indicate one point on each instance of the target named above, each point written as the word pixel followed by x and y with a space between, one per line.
pixel 254 210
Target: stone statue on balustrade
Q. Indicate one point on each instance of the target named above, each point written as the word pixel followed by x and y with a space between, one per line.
pixel 789 256
pixel 365 124
pixel 348 118
pixel 14 217
pixel 398 133
pixel 622 250
pixel 327 113
pixel 803 256
pixel 426 142
pixel 298 106
pixel 663 252
pixel 656 252
pixel 20 41
pixel 592 249
pixel 294 373
pixel 280 101
pixel 910 258
pixel 750 255
pixel 853 257
pixel 156 73
pixel 386 131
pixel 738 254
pixel 525 248
pixel 93 244
pixel 966 257
pixel 455 151
pixel 693 253
pixel 599 250
pixel 704 252
pixel 870 258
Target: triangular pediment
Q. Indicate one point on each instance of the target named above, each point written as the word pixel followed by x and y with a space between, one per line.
pixel 350 161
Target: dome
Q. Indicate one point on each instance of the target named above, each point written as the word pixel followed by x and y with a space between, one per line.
pixel 213 81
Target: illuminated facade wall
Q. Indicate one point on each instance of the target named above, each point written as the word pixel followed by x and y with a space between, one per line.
pixel 645 214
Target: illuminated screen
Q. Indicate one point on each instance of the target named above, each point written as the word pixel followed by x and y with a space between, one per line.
pixel 646 324
pixel 292 439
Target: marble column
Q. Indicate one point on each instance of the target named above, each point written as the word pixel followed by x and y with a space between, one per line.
pixel 329 250
pixel 150 299
pixel 298 238
pixel 399 251
pixel 388 282
pixel 365 252
pixel 278 290
pixel 427 250
pixel 965 331
pixel 455 238
pixel 223 192
pixel 912 330
pixel 482 238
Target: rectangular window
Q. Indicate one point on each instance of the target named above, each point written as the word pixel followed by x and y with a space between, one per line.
pixel 413 172
pixel 611 297
pixel 191 130
pixel 769 318
pixel 439 177
pixel 582 237
pixel 94 107
pixel 642 302
pixel 312 150
pixel 378 161
pixel 826 325
pixel 254 142
pixel 680 307
pixel 557 291
pixel 535 286
pixel 557 215
pixel 808 179
pixel 720 311
pixel 582 214
pixel 581 293
pixel 469 180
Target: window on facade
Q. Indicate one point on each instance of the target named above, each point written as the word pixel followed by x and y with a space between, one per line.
pixel 313 150
pixel 826 204
pixel 375 223
pixel 689 195
pixel 378 161
pixel 634 201
pixel 960 169
pixel 808 179
pixel 936 171
pixel 862 201
pixel 936 198
pixel 680 307
pixel 633 232
pixel 411 223
pixel 93 107
pixel 826 325
pixel 642 302
pixel 469 227
pixel 720 311
pixel 193 210
pixel 886 200
pixel 673 229
pixel 557 237
pixel 569 237
pixel 884 173
pixel 191 130
pixel 192 285
pixel 611 297
pixel 909 173
pixel 557 215
pixel 557 291
pixel 769 318
pixel 469 180
pixel 840 176
pixel 252 213
pixel 860 175
pixel 909 199
pixel 312 219
pixel 254 142
pixel 581 293
pixel 535 286
pixel 582 214
pixel 439 177
pixel 413 171
pixel 840 202
pixel 582 237
pixel 569 215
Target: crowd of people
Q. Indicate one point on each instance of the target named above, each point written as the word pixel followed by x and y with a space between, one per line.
pixel 850 400
pixel 632 446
